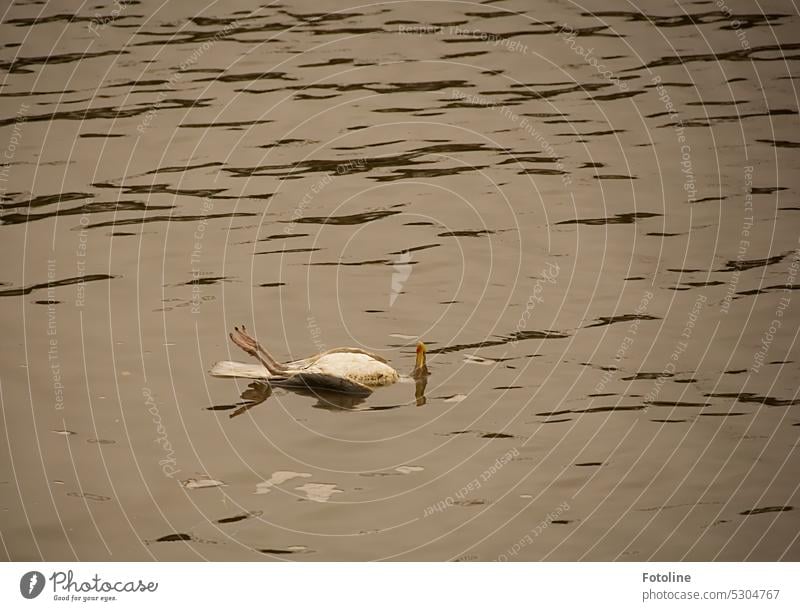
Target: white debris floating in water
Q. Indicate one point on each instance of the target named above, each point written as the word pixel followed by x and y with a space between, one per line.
pixel 405 470
pixel 455 398
pixel 278 477
pixel 478 360
pixel 319 493
pixel 193 484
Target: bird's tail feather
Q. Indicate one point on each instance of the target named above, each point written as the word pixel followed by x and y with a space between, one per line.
pixel 232 369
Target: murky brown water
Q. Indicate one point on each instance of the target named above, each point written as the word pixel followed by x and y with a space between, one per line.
pixel 589 215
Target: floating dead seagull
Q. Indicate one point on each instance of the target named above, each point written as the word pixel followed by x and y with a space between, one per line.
pixel 345 370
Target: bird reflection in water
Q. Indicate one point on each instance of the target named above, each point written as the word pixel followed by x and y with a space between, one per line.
pixel 255 394
pixel 421 384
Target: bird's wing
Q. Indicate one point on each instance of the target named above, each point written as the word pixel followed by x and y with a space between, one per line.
pixel 232 369
pixel 321 381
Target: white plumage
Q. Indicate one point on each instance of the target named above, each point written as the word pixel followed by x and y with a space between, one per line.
pixel 355 366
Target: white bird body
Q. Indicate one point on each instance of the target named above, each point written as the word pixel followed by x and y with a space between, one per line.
pixel 355 366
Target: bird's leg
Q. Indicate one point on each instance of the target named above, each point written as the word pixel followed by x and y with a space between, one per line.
pixel 249 348
pixel 245 342
pixel 254 349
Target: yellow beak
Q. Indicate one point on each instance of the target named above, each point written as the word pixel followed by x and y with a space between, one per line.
pixel 420 366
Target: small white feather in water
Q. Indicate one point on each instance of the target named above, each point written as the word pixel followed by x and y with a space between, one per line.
pixel 319 493
pixel 405 470
pixel 455 398
pixel 193 484
pixel 278 477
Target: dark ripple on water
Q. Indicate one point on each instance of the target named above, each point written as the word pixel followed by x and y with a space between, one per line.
pixel 91 208
pixel 56 283
pixel 625 218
